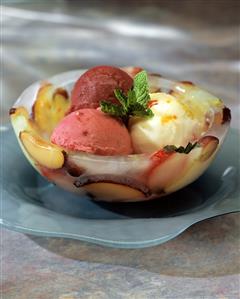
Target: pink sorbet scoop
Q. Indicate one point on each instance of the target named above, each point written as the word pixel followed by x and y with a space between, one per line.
pixel 92 131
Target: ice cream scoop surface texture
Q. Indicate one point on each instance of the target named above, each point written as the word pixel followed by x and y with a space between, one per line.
pixel 90 130
pixel 98 84
pixel 171 124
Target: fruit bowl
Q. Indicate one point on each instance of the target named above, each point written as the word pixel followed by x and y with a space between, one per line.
pixel 129 178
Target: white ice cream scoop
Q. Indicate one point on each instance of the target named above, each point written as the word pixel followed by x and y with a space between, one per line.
pixel 176 121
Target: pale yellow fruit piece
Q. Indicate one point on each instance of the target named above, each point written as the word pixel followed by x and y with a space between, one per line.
pixel 21 120
pixel 198 161
pixel 167 172
pixel 209 145
pixel 19 111
pixel 50 107
pixel 111 192
pixel 41 151
pixel 197 102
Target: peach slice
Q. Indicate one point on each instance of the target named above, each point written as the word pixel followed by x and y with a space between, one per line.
pixel 112 191
pixel 98 187
pixel 50 107
pixel 197 162
pixel 112 187
pixel 41 151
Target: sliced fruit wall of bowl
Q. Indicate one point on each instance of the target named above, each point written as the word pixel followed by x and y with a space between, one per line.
pixel 110 178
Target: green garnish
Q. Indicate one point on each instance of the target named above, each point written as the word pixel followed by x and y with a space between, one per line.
pixel 135 103
pixel 181 149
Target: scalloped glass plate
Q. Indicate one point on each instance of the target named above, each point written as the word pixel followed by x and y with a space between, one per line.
pixel 32 205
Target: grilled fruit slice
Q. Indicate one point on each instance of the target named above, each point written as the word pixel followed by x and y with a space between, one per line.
pixel 50 107
pixel 41 151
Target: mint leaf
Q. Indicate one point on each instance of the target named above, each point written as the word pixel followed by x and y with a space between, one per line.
pixel 131 97
pixel 112 109
pixel 141 89
pixel 181 149
pixel 189 147
pixel 143 113
pixel 121 97
pixel 135 103
pixel 149 112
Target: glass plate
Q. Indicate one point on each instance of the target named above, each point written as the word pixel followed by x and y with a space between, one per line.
pixel 32 205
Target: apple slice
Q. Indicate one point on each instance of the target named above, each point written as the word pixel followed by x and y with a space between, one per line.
pixel 197 162
pixel 50 107
pixel 41 151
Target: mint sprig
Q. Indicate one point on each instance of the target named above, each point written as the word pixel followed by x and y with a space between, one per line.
pixel 135 103
pixel 181 149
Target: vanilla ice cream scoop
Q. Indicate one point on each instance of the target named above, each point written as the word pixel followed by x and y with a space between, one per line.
pixel 176 121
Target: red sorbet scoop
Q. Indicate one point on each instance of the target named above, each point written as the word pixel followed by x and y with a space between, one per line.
pixel 97 84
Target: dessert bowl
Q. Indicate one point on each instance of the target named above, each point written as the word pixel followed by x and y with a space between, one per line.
pixel 32 205
pixel 119 178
